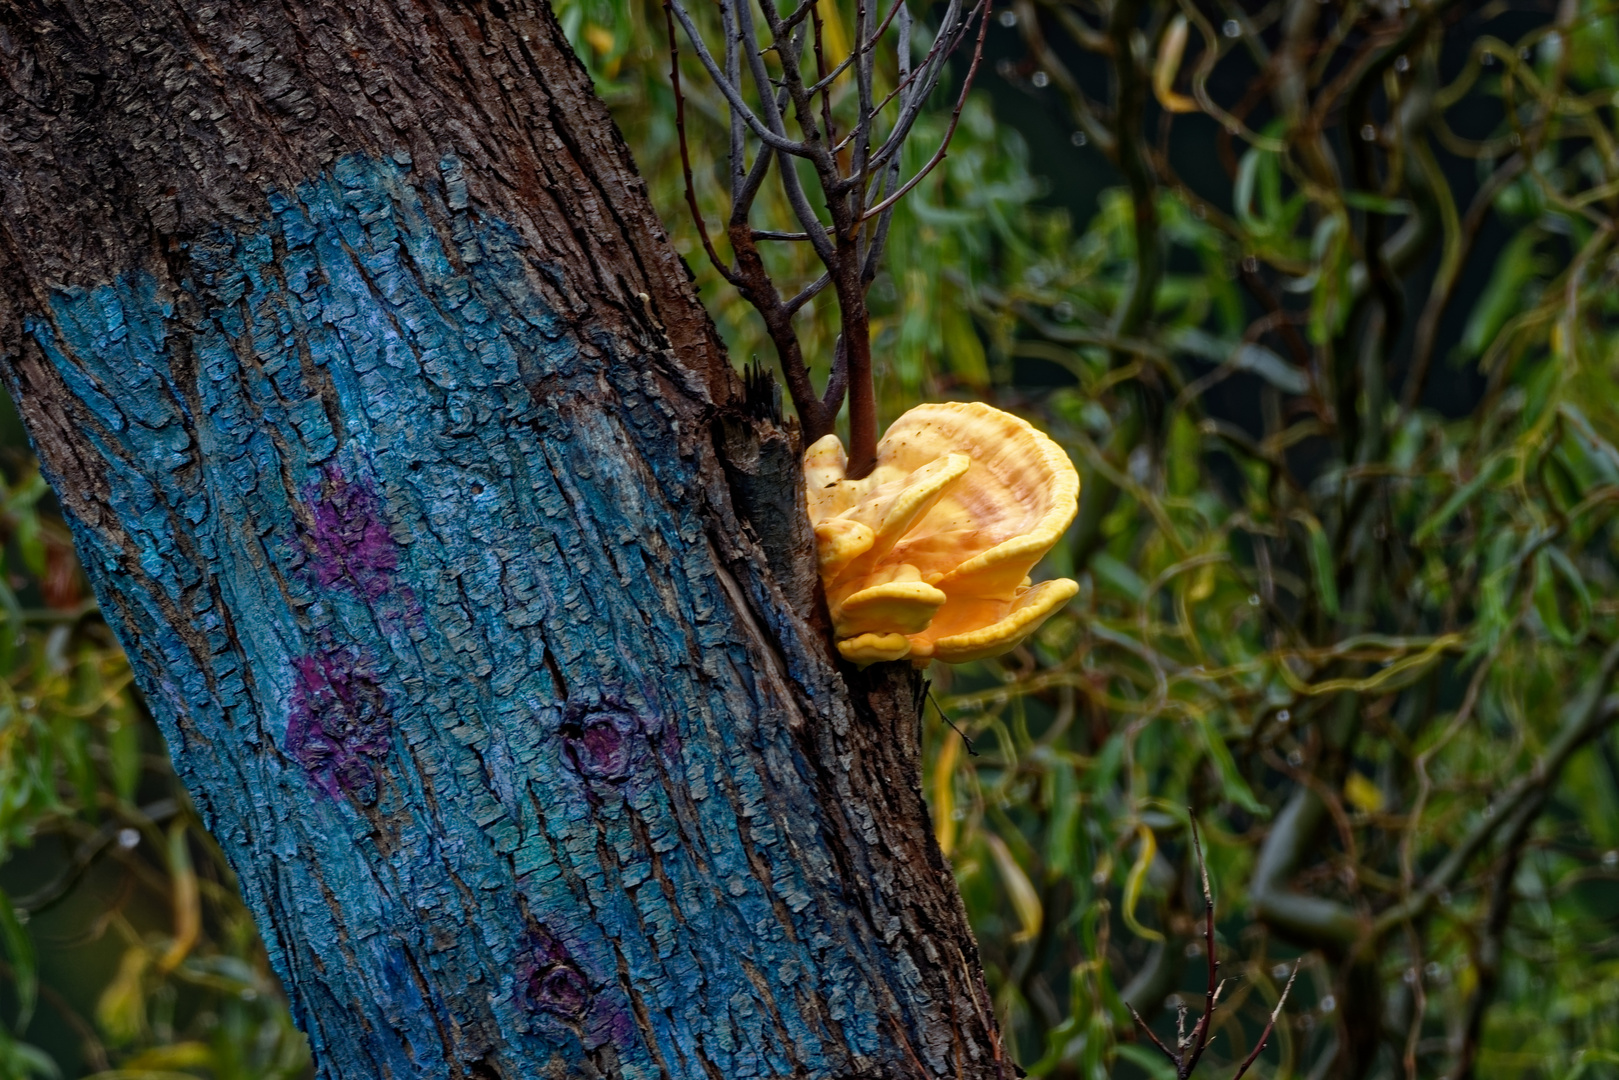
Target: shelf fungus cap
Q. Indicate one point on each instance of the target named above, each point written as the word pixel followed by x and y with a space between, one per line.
pixel 928 557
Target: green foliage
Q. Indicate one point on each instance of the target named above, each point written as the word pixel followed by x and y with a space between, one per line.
pixel 1372 607
pixel 1346 551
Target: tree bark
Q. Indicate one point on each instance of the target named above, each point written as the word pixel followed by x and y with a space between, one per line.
pixel 411 474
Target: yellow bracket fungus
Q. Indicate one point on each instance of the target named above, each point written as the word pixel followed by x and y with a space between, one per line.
pixel 928 557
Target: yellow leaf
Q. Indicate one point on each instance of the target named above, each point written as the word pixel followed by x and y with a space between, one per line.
pixel 1169 65
pixel 1020 890
pixel 1466 980
pixel 1202 584
pixel 182 1055
pixel 1363 793
pixel 187 910
pixel 121 1009
pixel 601 39
pixel 1137 878
pixel 963 350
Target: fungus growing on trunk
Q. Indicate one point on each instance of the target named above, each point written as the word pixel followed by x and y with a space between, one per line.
pixel 928 556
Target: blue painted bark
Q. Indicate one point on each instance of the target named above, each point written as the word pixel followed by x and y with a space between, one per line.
pixel 528 763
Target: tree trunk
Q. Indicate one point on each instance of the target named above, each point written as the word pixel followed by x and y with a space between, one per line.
pixel 417 485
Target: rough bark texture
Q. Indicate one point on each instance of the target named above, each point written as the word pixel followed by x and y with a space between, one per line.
pixel 414 480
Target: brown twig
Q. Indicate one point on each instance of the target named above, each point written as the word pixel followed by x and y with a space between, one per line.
pixel 1264 1036
pixel 846 247
pixel 983 10
pixel 685 155
pixel 1189 1047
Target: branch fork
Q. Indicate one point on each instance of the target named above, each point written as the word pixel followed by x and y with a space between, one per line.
pixel 858 175
pixel 1189 1045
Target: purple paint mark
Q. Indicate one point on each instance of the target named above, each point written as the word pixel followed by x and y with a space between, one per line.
pixel 561 990
pixel 352 546
pixel 555 985
pixel 339 723
pixel 551 979
pixel 604 744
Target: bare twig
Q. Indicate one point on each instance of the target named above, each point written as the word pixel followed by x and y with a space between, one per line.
pixel 845 244
pixel 1264 1036
pixel 1199 1040
pixel 1189 1046
pixel 982 10
pixel 685 155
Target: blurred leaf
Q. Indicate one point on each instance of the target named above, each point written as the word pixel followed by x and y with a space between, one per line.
pixel 1025 900
pixel 1232 785
pixel 1137 878
pixel 1515 267
pixel 124 752
pixel 1584 1059
pixel 181 1055
pixel 1170 50
pixel 121 1009
pixel 1465 494
pixel 1148 1060
pixel 1381 204
pixel 19 1060
pixel 1363 794
pixel 1244 356
pixel 187 913
pixel 1322 564
pixel 1115 573
pixel 1061 858
pixel 944 793
pixel 1551 566
pixel 19 950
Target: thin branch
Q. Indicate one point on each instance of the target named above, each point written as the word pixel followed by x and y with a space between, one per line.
pixel 1173 1057
pixel 772 234
pixel 1487 960
pixel 983 10
pixel 917 87
pixel 825 81
pixel 807 293
pixel 737 162
pixel 755 179
pixel 52 892
pixel 794 190
pixel 1264 1036
pixel 927 692
pixel 685 156
pixel 1444 283
pixel 820 75
pixel 1079 105
pixel 865 49
pixel 733 94
pixel 1588 716
pixel 876 239
pixel 838 382
pixel 1205 1025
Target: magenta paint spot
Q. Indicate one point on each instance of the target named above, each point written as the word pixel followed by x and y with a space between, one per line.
pixel 557 988
pixel 560 989
pixel 351 543
pixel 604 744
pixel 339 724
pixel 552 981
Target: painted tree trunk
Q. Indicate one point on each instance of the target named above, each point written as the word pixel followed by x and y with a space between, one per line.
pixel 471 590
